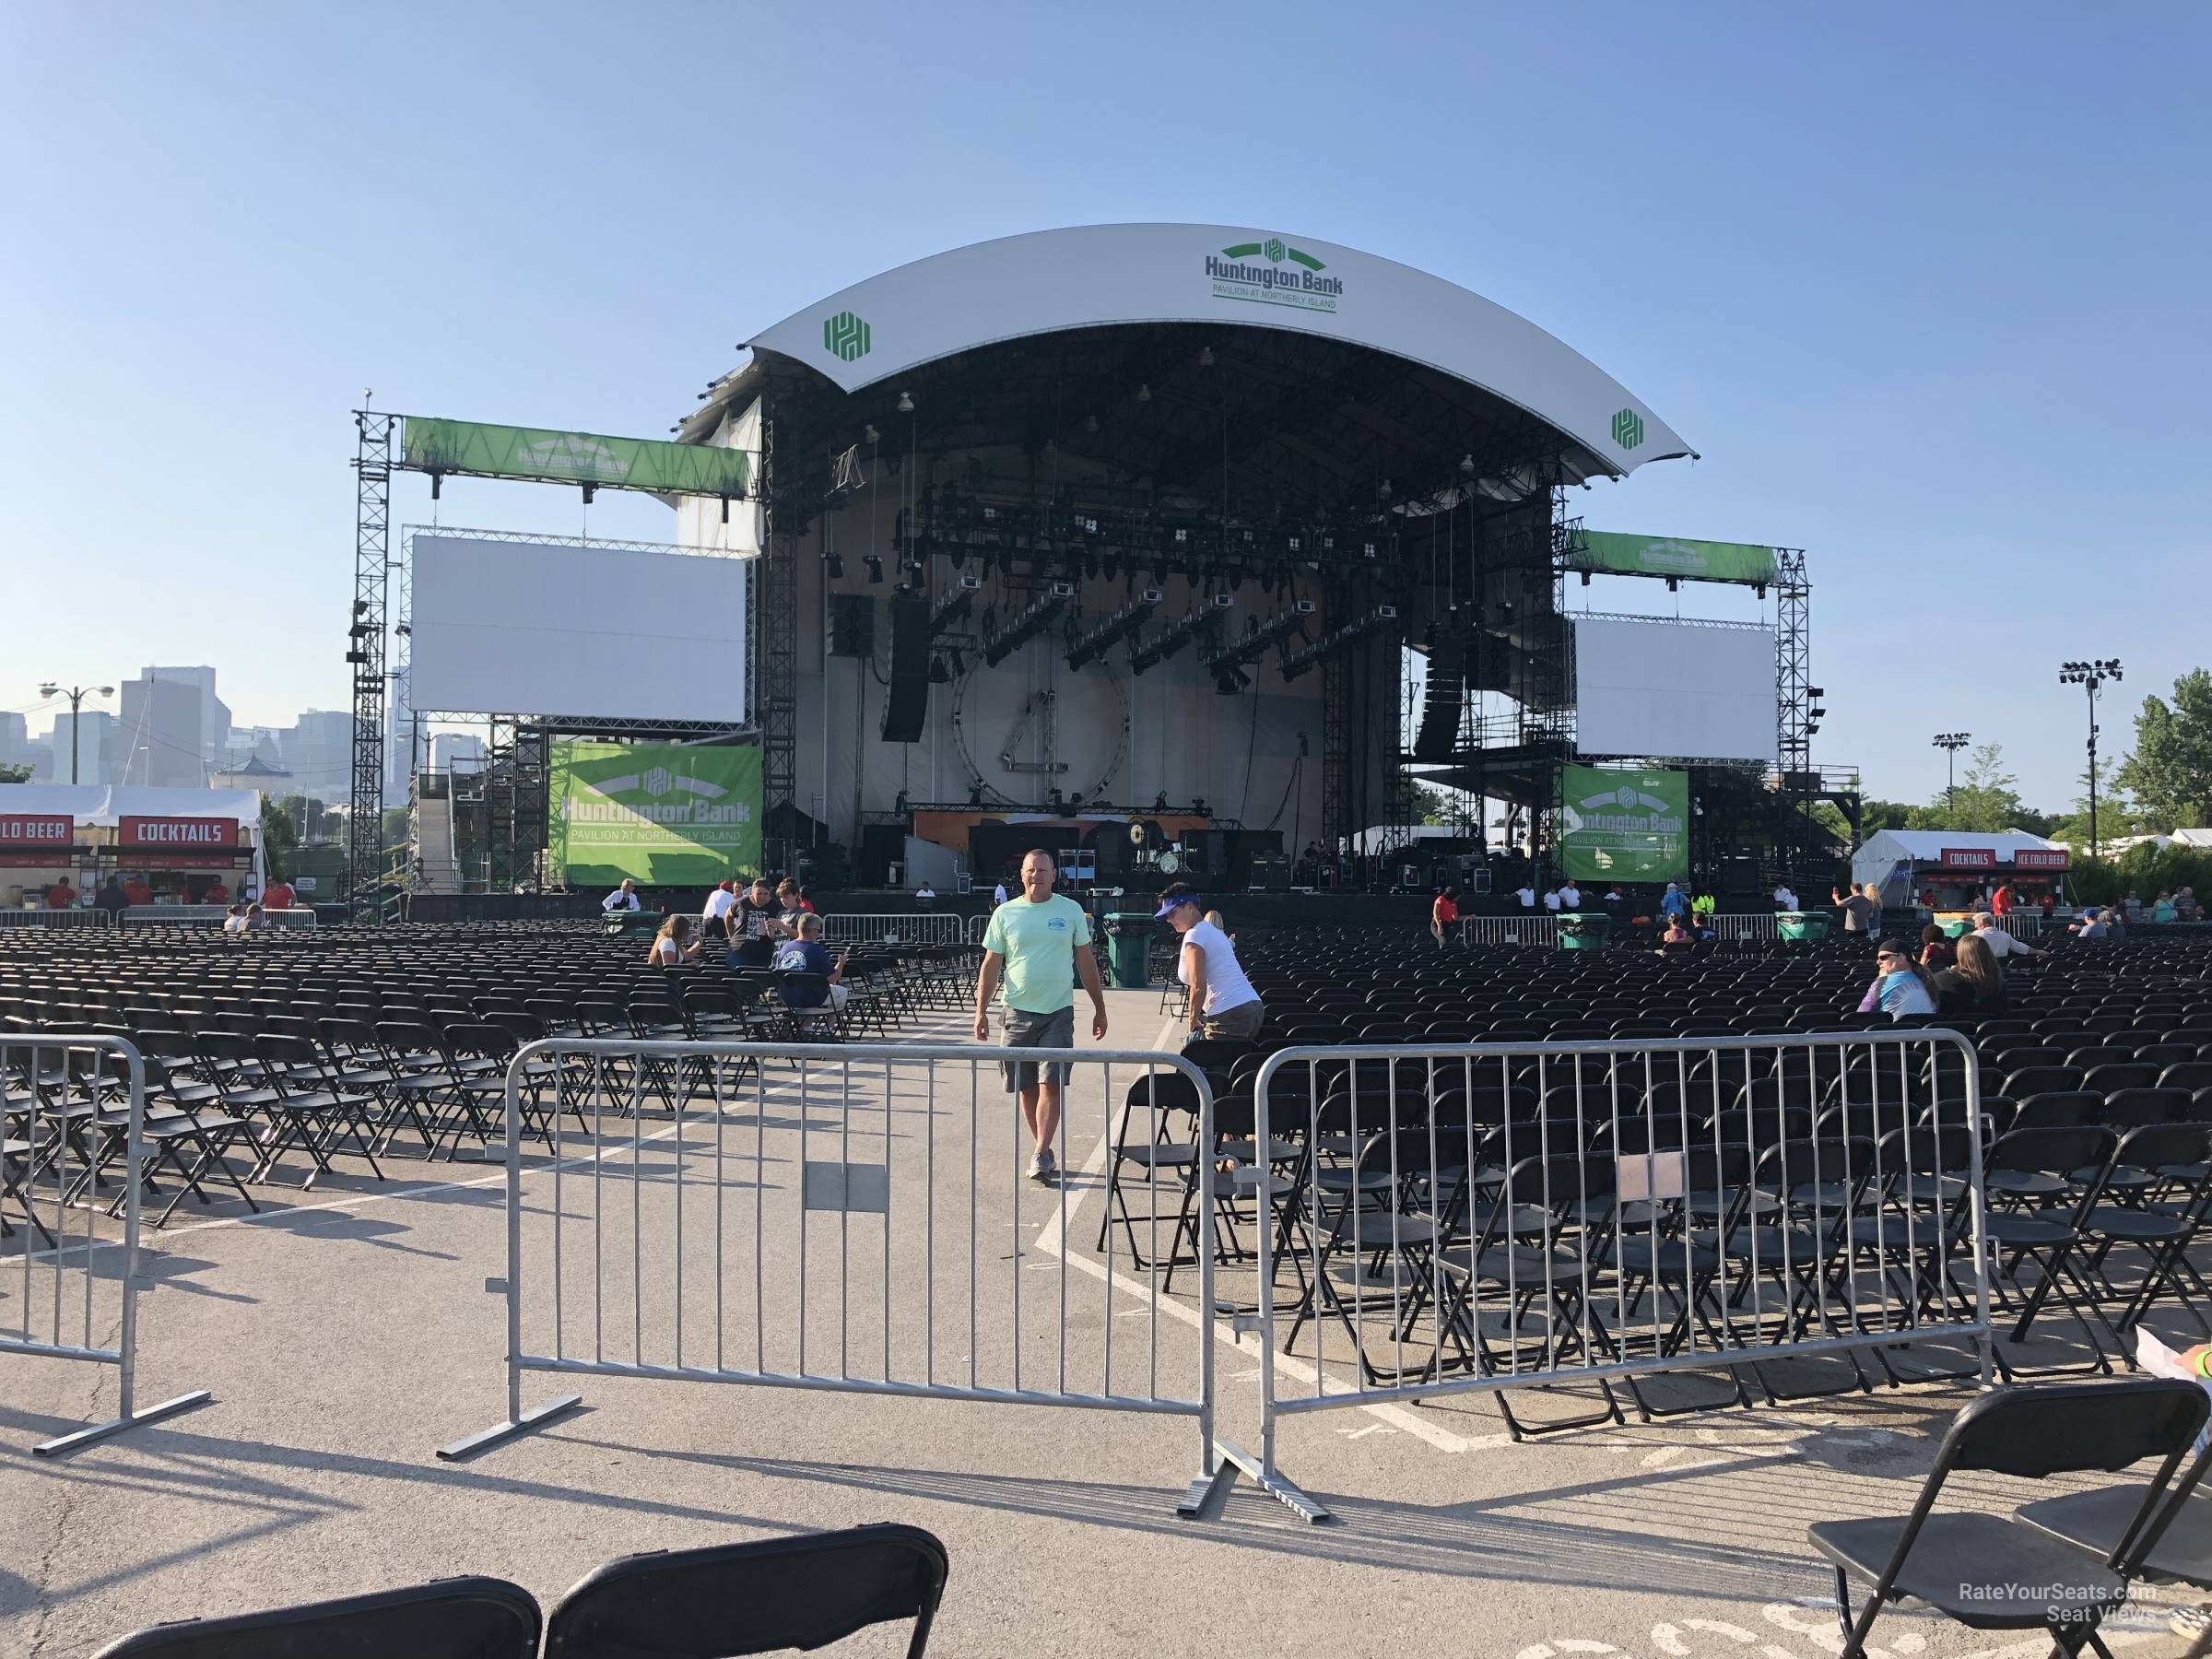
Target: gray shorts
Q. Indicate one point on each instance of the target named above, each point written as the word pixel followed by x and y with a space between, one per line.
pixel 1025 1030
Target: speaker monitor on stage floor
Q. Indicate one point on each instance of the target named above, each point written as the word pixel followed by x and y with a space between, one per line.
pixel 906 703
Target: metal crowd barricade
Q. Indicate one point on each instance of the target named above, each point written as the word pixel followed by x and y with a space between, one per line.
pixel 54 918
pixel 1524 929
pixel 72 1119
pixel 847 1217
pixel 209 915
pixel 977 928
pixel 1752 928
pixel 914 927
pixel 1503 1217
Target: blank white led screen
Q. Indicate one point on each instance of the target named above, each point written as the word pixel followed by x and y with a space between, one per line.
pixel 1672 689
pixel 537 628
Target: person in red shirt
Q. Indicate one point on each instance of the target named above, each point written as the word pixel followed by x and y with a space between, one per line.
pixel 278 895
pixel 136 891
pixel 216 893
pixel 60 894
pixel 1444 913
pixel 2002 900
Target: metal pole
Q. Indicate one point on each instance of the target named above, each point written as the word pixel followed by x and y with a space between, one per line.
pixel 2093 843
pixel 76 701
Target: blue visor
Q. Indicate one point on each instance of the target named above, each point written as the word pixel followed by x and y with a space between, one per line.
pixel 1169 907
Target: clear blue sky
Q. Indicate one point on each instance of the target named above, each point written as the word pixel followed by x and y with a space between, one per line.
pixel 1925 284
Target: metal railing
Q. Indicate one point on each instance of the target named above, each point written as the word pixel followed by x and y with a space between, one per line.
pixel 54 918
pixel 861 1223
pixel 912 927
pixel 209 915
pixel 1542 929
pixel 1497 1217
pixel 1537 928
pixel 72 1132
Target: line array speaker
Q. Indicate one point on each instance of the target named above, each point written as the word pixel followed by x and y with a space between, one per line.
pixel 906 704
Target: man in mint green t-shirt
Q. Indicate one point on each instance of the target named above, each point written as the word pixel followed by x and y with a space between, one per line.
pixel 1037 945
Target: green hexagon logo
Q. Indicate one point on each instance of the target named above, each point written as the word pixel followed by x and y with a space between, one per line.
pixel 1274 250
pixel 1628 428
pixel 846 336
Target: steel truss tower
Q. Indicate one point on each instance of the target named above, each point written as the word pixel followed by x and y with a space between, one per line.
pixel 774 614
pixel 365 654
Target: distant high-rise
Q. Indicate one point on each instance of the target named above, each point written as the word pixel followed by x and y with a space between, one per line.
pixel 456 751
pixel 215 715
pixel 15 740
pixel 163 731
pixel 98 760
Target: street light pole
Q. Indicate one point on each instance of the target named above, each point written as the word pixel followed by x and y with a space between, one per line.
pixel 1951 743
pixel 77 695
pixel 2090 676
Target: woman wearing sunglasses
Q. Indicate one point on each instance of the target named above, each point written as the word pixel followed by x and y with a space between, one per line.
pixel 1901 985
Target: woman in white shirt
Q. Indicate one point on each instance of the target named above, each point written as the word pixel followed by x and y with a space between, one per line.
pixel 669 946
pixel 1222 1002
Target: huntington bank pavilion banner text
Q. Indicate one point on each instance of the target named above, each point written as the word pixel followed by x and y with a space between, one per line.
pixel 663 814
pixel 1625 826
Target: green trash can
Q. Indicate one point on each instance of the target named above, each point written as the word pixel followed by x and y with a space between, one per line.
pixel 1800 928
pixel 1584 930
pixel 1129 949
pixel 629 922
pixel 1958 929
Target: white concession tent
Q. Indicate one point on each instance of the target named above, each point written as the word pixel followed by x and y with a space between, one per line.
pixel 1892 854
pixel 104 807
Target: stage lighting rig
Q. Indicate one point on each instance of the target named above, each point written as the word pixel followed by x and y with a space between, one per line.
pixel 1027 624
pixel 1259 639
pixel 1382 618
pixel 1091 646
pixel 1147 654
pixel 955 605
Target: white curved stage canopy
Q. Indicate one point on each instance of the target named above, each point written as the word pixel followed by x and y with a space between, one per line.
pixel 1097 275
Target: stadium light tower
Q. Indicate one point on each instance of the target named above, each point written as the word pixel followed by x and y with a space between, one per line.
pixel 77 695
pixel 1951 743
pixel 2090 676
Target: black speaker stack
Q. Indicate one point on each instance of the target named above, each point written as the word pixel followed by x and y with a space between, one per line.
pixel 906 704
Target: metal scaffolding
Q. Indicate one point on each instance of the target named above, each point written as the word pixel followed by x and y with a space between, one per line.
pixel 365 652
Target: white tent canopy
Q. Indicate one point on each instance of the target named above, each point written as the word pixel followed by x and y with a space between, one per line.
pixel 104 805
pixel 1887 852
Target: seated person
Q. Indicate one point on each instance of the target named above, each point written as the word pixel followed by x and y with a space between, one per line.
pixel 1678 938
pixel 1901 987
pixel 807 954
pixel 1937 951
pixel 673 944
pixel 1974 983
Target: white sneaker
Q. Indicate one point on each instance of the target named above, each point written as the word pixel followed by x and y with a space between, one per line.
pixel 1041 1169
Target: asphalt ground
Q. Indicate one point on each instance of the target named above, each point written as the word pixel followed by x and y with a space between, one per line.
pixel 346 1334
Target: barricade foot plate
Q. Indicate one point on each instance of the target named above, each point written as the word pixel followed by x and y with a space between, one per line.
pixel 498 1434
pixel 79 1439
pixel 1204 1490
pixel 1306 1508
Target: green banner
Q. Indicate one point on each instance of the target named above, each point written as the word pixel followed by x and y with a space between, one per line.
pixel 663 814
pixel 1610 553
pixel 503 451
pixel 1625 826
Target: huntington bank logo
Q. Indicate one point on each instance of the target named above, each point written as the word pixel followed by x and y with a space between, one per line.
pixel 846 336
pixel 1628 428
pixel 1288 275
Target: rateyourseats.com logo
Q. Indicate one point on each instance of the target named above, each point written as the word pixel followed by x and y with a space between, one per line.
pixel 846 336
pixel 1628 427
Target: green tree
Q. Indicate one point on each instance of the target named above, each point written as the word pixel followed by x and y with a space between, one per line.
pixel 1417 802
pixel 2116 814
pixel 278 839
pixel 16 771
pixel 2170 773
pixel 1875 816
pixel 1987 800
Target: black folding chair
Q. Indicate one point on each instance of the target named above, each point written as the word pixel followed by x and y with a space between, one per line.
pixel 767 1598
pixel 452 1618
pixel 1974 1567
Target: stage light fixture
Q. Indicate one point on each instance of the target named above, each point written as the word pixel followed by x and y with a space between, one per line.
pixel 1205 357
pixel 837 567
pixel 906 407
pixel 1144 393
pixel 1815 691
pixel 959 663
pixel 1673 586
pixel 975 793
pixel 1090 423
pixel 1585 579
pixel 1759 590
pixel 868 434
pixel 875 577
pixel 939 674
